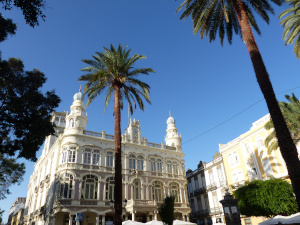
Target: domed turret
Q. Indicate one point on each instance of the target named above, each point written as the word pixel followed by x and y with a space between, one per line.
pixel 76 121
pixel 172 137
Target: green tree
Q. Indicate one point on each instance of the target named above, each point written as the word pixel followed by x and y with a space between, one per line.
pixel 225 17
pixel 291 114
pixel 166 210
pixel 25 111
pixel 266 198
pixel 113 70
pixel 11 172
pixel 32 11
pixel 291 25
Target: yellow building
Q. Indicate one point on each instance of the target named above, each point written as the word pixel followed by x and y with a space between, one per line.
pixel 246 158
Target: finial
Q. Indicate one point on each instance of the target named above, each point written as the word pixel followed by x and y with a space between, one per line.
pixel 80 88
pixel 170 113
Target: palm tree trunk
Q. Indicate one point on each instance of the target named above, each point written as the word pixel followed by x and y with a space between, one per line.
pixel 118 163
pixel 285 142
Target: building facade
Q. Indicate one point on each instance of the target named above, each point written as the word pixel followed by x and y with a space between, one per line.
pixel 75 173
pixel 16 212
pixel 206 187
pixel 246 159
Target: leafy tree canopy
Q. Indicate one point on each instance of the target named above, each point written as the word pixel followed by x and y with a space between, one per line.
pixel 266 198
pixel 11 172
pixel 31 9
pixel 291 114
pixel 25 111
pixel 166 210
pixel 291 24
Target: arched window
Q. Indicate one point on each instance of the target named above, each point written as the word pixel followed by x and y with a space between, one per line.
pixel 87 156
pixel 174 191
pixel 132 159
pixel 109 159
pixel 66 185
pixel 140 162
pixel 156 165
pixel 247 147
pixel 96 157
pixel 260 142
pixel 71 123
pixel 72 155
pixel 109 188
pixel 136 189
pixel 169 167
pixel 175 168
pixel 157 190
pixel 89 187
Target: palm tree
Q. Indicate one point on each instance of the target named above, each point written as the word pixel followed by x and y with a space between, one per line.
pixel 291 25
pixel 225 16
pixel 291 114
pixel 113 70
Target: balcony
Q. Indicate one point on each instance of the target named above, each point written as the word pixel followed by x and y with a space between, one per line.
pixel 211 187
pixel 217 210
pixel 63 202
pixel 201 213
pixel 88 202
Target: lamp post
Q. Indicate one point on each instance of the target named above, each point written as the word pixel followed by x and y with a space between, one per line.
pixel 231 210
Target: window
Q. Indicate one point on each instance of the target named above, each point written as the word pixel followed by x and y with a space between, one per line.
pixel 140 163
pixel 89 187
pixel 157 190
pixel 169 167
pixel 132 161
pixel 64 157
pixel 259 142
pixel 233 159
pixel 159 165
pixel 109 188
pixel 211 177
pixel 109 159
pixel 215 199
pixel 71 123
pixel 175 168
pixel 87 156
pixel 196 183
pixel 136 189
pixel 247 147
pixel 267 167
pixel 174 191
pixel 153 165
pixel 221 176
pixel 66 186
pixel 96 159
pixel 72 155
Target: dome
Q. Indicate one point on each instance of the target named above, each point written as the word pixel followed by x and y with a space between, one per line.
pixel 170 120
pixel 78 96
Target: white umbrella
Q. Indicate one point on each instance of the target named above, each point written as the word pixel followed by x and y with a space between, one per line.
pixel 155 222
pixel 295 218
pixel 130 222
pixel 180 222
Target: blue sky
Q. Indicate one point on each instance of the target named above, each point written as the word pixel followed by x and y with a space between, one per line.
pixel 203 84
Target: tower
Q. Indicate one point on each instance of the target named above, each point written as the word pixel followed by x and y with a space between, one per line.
pixel 172 137
pixel 76 121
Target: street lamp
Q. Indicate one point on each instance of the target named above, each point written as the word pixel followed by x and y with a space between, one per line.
pixel 231 210
pixel 112 204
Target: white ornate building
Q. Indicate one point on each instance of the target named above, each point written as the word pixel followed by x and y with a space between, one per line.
pixel 75 173
pixel 206 187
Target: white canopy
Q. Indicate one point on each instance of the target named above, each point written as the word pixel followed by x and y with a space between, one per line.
pixel 180 222
pixel 130 222
pixel 155 222
pixel 295 218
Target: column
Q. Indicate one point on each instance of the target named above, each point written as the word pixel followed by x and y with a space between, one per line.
pixel 155 215
pixel 148 218
pixel 126 190
pixel 97 220
pixel 53 220
pixel 133 216
pixel 103 220
pixel 70 219
pixel 188 218
pixel 147 192
pixel 142 191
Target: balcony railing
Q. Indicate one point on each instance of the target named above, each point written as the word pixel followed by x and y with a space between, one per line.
pixel 88 202
pixel 217 210
pixel 211 187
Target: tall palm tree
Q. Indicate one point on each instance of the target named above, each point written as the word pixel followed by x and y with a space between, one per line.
pixel 113 70
pixel 225 16
pixel 291 114
pixel 291 24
